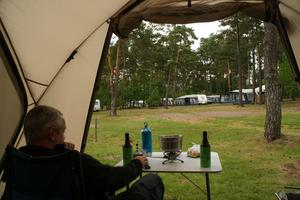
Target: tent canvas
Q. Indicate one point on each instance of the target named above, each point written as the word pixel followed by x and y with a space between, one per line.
pixel 52 52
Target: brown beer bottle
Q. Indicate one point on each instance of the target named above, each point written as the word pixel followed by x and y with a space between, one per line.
pixel 137 151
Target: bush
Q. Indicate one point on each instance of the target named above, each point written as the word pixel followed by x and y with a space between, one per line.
pixel 154 99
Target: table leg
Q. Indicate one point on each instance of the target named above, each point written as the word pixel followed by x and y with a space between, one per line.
pixel 207 186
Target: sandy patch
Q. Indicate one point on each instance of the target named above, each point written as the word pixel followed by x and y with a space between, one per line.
pixel 292 170
pixel 195 117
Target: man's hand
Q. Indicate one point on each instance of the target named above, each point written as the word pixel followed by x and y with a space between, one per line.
pixel 143 160
pixel 69 146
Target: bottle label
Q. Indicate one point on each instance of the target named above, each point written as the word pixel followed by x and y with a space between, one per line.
pixel 205 159
pixel 127 155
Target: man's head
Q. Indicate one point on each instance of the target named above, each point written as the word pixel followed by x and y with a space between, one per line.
pixel 44 125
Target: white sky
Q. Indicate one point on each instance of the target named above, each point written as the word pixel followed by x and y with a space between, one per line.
pixel 203 30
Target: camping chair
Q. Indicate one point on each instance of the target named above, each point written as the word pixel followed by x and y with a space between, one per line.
pixel 282 195
pixel 55 177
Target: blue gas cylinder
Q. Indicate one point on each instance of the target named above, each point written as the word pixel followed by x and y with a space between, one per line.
pixel 146 140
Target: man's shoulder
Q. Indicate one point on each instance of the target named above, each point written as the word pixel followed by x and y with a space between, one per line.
pixel 37 151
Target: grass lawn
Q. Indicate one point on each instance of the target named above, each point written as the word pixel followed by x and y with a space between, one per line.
pixel 252 168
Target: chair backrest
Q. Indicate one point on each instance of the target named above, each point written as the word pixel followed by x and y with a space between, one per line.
pixel 55 177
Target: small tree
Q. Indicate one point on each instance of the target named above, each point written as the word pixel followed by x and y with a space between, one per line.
pixel 154 99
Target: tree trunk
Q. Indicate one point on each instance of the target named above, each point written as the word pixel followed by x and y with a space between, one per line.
pixel 253 77
pixel 167 89
pixel 260 96
pixel 172 72
pixel 175 72
pixel 240 81
pixel 229 77
pixel 114 77
pixel 272 91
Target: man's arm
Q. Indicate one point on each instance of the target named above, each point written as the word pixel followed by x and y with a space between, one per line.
pixel 104 177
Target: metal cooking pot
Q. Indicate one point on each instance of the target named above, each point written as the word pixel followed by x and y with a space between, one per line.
pixel 171 143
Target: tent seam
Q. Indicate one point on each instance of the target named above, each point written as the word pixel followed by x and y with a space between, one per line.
pixel 19 63
pixel 27 79
pixel 68 59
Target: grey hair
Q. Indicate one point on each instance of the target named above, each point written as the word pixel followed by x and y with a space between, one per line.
pixel 39 119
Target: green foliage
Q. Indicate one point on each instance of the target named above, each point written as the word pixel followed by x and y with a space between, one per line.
pixel 251 39
pixel 154 99
pixel 289 86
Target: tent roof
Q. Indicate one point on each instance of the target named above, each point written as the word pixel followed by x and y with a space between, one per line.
pixel 191 96
pixel 180 12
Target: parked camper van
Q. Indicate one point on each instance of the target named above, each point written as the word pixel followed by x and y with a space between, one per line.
pixel 97 106
pixel 247 95
pixel 214 99
pixel 163 101
pixel 193 99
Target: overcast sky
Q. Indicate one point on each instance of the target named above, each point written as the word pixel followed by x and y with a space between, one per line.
pixel 203 30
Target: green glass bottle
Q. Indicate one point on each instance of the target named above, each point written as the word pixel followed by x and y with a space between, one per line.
pixel 127 150
pixel 205 160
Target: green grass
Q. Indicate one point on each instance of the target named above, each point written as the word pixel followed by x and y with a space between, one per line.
pixel 252 168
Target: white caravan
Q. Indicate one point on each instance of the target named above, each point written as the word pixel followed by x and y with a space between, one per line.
pixel 193 99
pixel 97 105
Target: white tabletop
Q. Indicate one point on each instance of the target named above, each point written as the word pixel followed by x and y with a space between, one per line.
pixel 190 165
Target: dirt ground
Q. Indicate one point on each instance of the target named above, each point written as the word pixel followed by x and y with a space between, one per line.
pixel 292 169
pixel 195 117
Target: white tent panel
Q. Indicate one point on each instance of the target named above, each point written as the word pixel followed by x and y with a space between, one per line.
pixel 36 89
pixel 44 33
pixel 29 97
pixel 71 90
pixel 290 10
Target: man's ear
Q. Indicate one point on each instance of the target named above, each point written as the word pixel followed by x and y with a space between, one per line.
pixel 51 134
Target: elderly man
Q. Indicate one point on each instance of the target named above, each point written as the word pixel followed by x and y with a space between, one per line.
pixel 44 128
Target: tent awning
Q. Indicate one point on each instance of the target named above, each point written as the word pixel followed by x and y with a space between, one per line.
pixel 57 49
pixel 181 12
